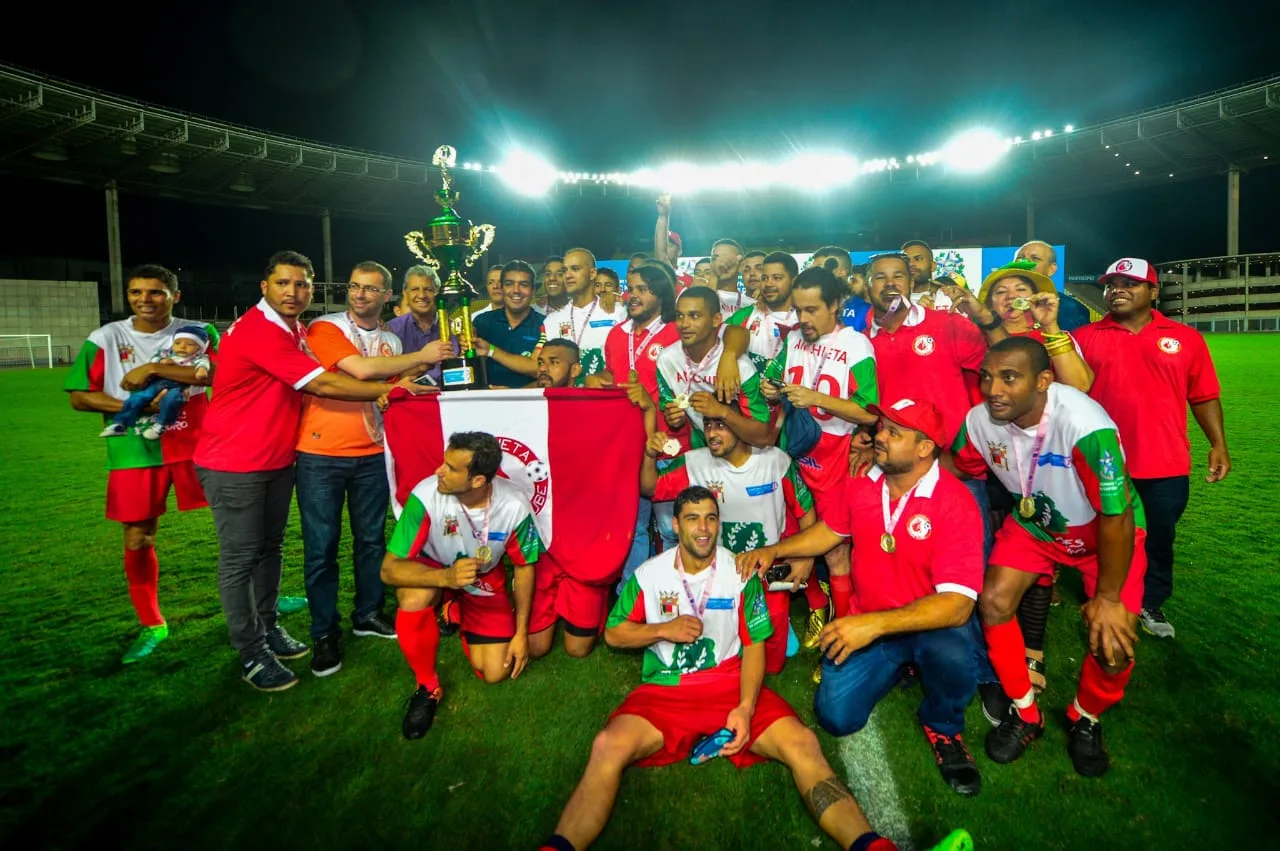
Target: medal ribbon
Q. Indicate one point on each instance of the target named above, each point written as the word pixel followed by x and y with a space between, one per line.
pixel 695 369
pixel 891 522
pixel 482 534
pixel 577 335
pixel 700 607
pixel 372 416
pixel 1041 431
pixel 655 327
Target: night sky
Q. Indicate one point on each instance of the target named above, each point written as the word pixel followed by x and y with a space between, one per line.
pixel 596 86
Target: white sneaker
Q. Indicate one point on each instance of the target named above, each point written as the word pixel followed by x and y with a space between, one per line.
pixel 1154 622
pixel 153 431
pixel 113 430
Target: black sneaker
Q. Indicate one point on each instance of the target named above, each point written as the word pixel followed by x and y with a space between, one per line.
pixel 265 673
pixel 1084 744
pixel 444 618
pixel 421 713
pixel 955 762
pixel 284 645
pixel 909 678
pixel 376 625
pixel 1011 737
pixel 996 705
pixel 328 657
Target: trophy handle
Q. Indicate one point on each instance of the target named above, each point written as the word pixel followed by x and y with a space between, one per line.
pixel 483 234
pixel 415 240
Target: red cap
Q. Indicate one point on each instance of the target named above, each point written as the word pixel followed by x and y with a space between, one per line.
pixel 675 237
pixel 921 416
pixel 1133 269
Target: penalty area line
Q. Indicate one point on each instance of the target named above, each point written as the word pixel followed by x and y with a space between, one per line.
pixel 870 778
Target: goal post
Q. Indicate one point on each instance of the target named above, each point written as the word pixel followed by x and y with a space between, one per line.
pixel 23 349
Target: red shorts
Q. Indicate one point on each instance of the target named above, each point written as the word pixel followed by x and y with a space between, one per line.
pixel 1017 548
pixel 491 618
pixel 686 712
pixel 140 493
pixel 557 595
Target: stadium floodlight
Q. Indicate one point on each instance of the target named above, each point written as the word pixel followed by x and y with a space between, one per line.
pixel 816 171
pixel 975 150
pixel 1069 128
pixel 527 173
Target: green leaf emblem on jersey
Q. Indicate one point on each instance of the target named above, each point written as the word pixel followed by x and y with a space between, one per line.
pixel 1047 516
pixel 698 656
pixel 739 537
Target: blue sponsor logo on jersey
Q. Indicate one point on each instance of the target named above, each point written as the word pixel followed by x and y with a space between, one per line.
pixel 1050 459
pixel 497 536
pixel 761 490
pixel 723 603
pixel 600 323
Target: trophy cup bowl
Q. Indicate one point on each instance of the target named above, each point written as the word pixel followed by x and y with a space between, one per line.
pixel 451 244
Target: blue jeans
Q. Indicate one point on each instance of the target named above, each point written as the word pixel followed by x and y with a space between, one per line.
pixel 170 405
pixel 944 657
pixel 324 483
pixel 1163 500
pixel 641 551
pixel 978 487
pixel 664 514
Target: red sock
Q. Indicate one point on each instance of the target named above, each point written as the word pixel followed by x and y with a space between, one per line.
pixel 814 595
pixel 143 572
pixel 775 646
pixel 419 637
pixel 1008 654
pixel 1098 691
pixel 841 593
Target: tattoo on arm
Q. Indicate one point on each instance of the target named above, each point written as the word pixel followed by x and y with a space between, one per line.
pixel 824 794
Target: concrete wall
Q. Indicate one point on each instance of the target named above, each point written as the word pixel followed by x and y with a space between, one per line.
pixel 66 310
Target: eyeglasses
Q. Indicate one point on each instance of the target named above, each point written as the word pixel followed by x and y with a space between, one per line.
pixel 357 288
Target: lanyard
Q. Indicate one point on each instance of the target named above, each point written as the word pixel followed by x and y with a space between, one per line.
pixel 577 335
pixel 358 338
pixel 655 327
pixel 695 369
pixel 1041 431
pixel 774 325
pixel 700 607
pixel 482 534
pixel 891 521
pixel 817 373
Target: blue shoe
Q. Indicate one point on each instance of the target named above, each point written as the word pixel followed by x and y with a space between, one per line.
pixel 793 641
pixel 265 673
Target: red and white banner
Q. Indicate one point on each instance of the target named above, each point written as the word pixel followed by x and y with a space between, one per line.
pixel 575 453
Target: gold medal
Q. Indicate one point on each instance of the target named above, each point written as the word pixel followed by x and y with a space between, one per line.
pixel 483 552
pixel 671 447
pixel 887 543
pixel 682 401
pixel 1027 507
pixel 633 376
pixel 1020 303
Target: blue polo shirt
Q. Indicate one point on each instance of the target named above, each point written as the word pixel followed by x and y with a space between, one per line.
pixel 494 328
pixel 854 313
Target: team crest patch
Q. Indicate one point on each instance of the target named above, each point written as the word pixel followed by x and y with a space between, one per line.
pixel 566 329
pixel 1107 466
pixel 384 350
pixel 668 604
pixel 919 527
pixel 1169 345
pixel 522 466
pixel 923 345
pixel 755 326
pixel 450 524
pixel 126 354
pixel 717 490
pixel 654 351
pixel 999 454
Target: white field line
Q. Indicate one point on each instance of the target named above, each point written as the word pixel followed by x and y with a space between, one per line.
pixel 870 778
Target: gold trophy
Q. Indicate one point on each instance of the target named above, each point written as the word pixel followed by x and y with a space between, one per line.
pixel 454 244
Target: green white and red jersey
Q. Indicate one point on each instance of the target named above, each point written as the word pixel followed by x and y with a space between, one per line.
pixel 679 375
pixel 439 528
pixel 768 330
pixel 840 364
pixel 755 499
pixel 1079 475
pixel 588 327
pixel 734 615
pixel 102 362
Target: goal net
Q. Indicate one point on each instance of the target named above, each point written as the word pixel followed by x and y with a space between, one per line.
pixel 26 350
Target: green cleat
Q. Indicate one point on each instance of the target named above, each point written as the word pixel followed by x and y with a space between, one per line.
pixel 148 640
pixel 956 840
pixel 290 605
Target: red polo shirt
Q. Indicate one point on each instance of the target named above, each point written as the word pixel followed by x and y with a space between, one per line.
pixel 617 354
pixel 938 541
pixel 252 422
pixel 1145 381
pixel 927 358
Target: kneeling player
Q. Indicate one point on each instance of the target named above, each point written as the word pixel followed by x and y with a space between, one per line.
pixel 702 629
pixel 457 528
pixel 1059 455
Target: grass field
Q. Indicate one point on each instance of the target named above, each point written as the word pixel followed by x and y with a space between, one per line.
pixel 177 752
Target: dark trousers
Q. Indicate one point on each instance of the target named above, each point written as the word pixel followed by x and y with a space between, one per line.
pixel 170 405
pixel 1163 500
pixel 250 511
pixel 946 659
pixel 325 482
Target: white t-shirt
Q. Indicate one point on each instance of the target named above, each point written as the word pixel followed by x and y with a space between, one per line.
pixel 588 327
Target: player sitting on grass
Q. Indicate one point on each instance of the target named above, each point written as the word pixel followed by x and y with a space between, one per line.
pixel 189 348
pixel 702 629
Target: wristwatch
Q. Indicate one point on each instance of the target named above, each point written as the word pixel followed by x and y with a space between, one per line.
pixel 990 326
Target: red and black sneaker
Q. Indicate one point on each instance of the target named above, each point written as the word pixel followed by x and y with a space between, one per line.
pixel 421 712
pixel 1011 738
pixel 1084 745
pixel 954 762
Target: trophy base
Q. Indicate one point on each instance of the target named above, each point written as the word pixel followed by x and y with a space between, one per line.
pixel 464 373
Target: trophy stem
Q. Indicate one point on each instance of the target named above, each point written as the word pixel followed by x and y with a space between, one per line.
pixel 442 319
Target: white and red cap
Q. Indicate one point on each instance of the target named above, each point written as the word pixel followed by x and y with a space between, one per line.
pixel 1132 268
pixel 921 416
